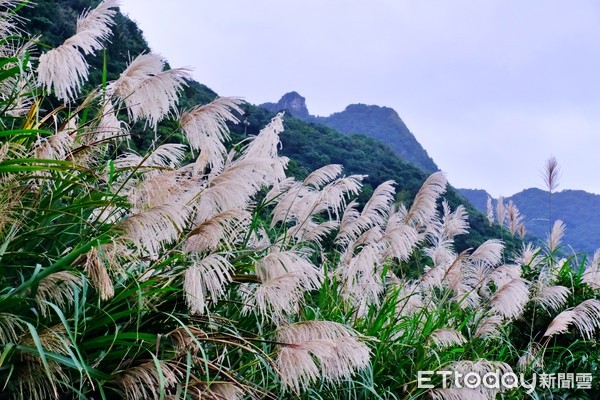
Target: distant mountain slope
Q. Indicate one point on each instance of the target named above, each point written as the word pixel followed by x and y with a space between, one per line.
pixel 381 123
pixel 579 210
pixel 308 144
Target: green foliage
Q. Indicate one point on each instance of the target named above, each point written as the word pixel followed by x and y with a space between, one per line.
pixel 140 276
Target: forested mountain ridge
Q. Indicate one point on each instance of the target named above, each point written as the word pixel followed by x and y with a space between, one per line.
pixel 579 210
pixel 381 123
pixel 309 145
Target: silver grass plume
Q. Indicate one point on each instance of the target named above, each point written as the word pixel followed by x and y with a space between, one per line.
pixel 96 269
pixel 322 176
pixel 510 299
pixel 556 235
pixel 206 278
pixel 285 277
pixel 64 68
pixel 151 229
pixel 225 227
pixel 489 327
pixel 144 381
pixel 148 90
pixel 423 208
pixel 513 217
pixel 500 211
pixel 59 289
pixel 585 316
pixel 532 358
pixel 551 298
pixel 490 211
pixel 312 349
pixel 591 274
pixel 205 127
pixel 444 338
pixel 529 256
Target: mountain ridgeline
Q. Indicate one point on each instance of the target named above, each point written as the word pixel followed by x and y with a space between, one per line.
pixel 384 150
pixel 381 123
pixel 579 210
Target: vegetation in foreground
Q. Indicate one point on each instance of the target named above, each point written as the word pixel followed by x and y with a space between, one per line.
pixel 139 276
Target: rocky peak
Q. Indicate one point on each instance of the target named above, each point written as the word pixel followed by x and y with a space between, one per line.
pixel 291 102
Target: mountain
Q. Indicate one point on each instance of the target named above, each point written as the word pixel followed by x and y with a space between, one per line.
pixel 381 123
pixel 579 210
pixel 308 143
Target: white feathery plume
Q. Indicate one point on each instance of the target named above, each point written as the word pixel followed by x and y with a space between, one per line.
pixel 490 327
pixel 109 127
pixel 490 211
pixel 585 316
pixel 145 380
pixel 591 274
pixel 234 187
pixel 267 141
pixel 312 231
pixel 96 270
pixel 456 222
pixel 510 299
pixel 206 277
pixel 159 187
pixel 56 147
pixel 280 296
pixel 377 208
pixel 361 280
pixel 148 91
pixel 278 263
pixel 555 236
pixel 151 229
pixel 514 218
pixel 552 298
pixel 489 253
pixel 168 155
pixel 205 127
pixel 259 240
pixel 323 176
pixel 292 202
pixel 399 238
pixel 423 208
pixel 444 338
pixel 500 276
pixel 59 289
pixel 213 391
pixel 441 232
pixel 500 211
pixel 223 227
pixel 279 189
pixel 531 358
pixel 285 277
pixel 410 299
pixel 93 27
pixel 332 196
pixel 335 348
pixel 529 255
pixel 351 224
pixel 64 68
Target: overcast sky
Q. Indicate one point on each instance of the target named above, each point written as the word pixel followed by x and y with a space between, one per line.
pixel 490 88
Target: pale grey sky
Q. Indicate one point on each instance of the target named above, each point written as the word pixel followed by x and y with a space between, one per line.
pixel 490 88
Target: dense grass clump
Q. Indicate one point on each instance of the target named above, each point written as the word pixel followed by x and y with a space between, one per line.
pixel 149 276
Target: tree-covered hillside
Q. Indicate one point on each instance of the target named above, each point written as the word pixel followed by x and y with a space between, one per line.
pixel 381 123
pixel 208 265
pixel 579 210
pixel 308 145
